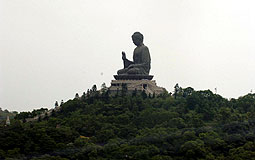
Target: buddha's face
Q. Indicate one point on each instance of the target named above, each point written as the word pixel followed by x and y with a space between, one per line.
pixel 136 40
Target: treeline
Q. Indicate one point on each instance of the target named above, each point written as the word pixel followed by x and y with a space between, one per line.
pixel 188 124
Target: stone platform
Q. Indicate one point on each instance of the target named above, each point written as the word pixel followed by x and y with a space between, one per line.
pixel 147 85
pixel 133 77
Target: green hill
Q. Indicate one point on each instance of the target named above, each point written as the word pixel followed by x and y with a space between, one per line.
pixel 190 125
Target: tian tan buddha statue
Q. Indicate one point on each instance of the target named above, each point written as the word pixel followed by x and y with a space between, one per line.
pixel 135 74
pixel 141 63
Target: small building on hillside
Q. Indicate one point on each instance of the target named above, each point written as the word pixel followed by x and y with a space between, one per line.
pixel 8 122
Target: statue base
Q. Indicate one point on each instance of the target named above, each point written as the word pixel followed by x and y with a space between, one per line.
pixel 130 86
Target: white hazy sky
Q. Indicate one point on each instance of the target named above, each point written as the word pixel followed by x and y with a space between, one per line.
pixel 51 49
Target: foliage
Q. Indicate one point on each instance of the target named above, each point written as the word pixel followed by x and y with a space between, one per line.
pixel 188 125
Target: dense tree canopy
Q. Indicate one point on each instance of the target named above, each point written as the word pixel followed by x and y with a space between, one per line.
pixel 188 125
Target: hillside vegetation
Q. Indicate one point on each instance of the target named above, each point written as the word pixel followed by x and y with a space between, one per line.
pixel 187 125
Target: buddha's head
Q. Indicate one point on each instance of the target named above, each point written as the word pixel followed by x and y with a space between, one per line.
pixel 137 38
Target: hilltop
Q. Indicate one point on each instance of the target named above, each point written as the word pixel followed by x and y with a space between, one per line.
pixel 186 125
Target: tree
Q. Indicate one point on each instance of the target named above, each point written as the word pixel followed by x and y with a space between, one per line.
pixel 62 102
pixel 224 114
pixel 176 90
pixel 94 88
pixel 88 93
pixel 187 91
pixel 103 88
pixel 83 97
pixel 77 96
pixel 193 149
pixel 56 104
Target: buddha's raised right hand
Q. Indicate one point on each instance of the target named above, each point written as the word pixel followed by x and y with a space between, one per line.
pixel 124 55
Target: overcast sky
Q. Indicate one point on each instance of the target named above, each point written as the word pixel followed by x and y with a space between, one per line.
pixel 51 49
